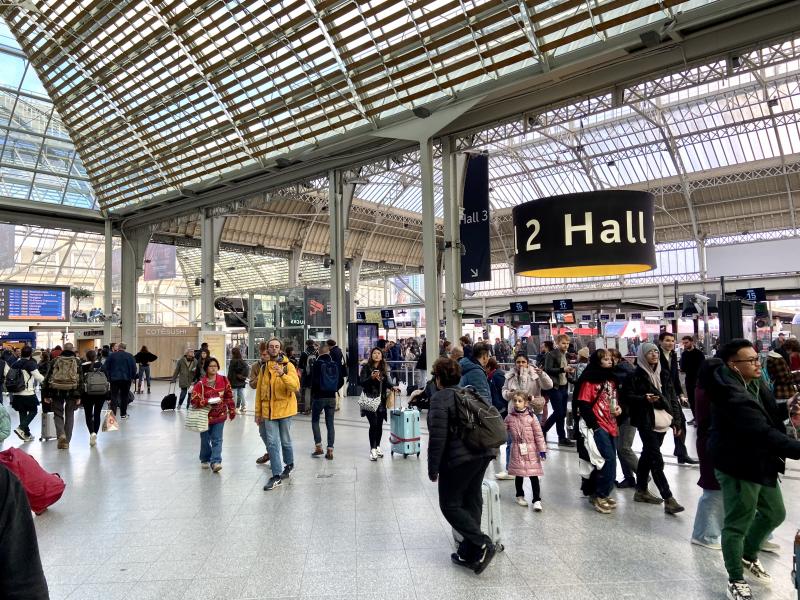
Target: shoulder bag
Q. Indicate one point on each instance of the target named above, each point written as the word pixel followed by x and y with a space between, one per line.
pixel 197 418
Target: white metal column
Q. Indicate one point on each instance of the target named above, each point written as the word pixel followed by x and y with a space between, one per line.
pixel 337 227
pixel 452 191
pixel 134 244
pixel 210 237
pixel 429 250
pixel 108 281
pixel 355 274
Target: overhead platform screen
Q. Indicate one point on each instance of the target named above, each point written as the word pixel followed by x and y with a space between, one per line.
pixel 33 303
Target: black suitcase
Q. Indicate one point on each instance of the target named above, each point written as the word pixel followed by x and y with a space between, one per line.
pixel 170 400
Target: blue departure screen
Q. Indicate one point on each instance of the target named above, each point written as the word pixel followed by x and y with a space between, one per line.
pixel 32 303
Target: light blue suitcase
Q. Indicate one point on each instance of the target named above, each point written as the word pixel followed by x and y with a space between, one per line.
pixel 404 433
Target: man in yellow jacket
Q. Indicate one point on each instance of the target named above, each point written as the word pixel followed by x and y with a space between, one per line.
pixel 276 404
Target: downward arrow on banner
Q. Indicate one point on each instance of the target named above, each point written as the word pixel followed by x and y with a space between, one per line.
pixel 474 273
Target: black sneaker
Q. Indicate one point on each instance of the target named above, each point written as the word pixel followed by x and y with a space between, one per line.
pixel 566 442
pixel 273 482
pixel 687 460
pixel 457 560
pixel 739 590
pixel 626 483
pixel 487 554
pixel 287 470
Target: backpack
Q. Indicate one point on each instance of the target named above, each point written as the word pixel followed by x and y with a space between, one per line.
pixel 15 380
pixel 96 383
pixel 64 373
pixel 480 425
pixel 328 376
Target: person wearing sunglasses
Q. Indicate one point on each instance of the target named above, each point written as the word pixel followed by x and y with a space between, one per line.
pixel 749 447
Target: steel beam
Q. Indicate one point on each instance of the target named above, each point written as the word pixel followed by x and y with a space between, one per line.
pixel 453 169
pixel 134 243
pixel 336 202
pixel 108 280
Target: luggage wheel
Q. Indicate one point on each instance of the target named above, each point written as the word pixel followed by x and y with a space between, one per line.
pixel 405 455
pixel 500 547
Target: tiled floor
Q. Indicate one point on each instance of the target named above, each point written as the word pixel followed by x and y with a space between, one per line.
pixel 140 520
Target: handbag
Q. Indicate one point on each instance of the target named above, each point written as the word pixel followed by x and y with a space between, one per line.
pixel 368 404
pixel 663 420
pixel 197 418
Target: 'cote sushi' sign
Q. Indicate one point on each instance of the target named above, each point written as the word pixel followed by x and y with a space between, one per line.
pixel 592 234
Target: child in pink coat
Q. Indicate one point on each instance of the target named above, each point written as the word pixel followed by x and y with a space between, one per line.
pixel 529 449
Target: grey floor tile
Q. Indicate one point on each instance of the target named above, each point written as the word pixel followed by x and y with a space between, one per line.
pixel 371 531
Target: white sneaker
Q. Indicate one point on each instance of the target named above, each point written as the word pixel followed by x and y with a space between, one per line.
pixel 503 475
pixel 204 465
pixel 379 452
pixel 521 501
pixel 709 545
pixel 739 590
pixel 537 506
pixel 772 547
pixel 373 455
pixel 756 569
pixel 93 440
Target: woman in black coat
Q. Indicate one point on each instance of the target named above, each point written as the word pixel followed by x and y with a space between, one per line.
pixel 375 380
pixel 653 414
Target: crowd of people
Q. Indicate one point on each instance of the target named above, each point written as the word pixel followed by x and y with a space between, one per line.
pixel 747 416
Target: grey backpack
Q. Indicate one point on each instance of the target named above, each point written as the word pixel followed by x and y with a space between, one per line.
pixel 96 383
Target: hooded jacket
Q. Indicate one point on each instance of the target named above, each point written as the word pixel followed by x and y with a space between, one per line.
pixel 634 398
pixel 275 394
pixel 473 374
pixel 748 439
pixel 184 372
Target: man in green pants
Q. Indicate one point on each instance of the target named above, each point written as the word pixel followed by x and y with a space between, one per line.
pixel 748 445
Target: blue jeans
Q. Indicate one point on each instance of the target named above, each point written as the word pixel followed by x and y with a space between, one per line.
pixel 280 444
pixel 211 444
pixel 317 406
pixel 558 400
pixel 264 433
pixel 708 520
pixel 606 476
pixel 144 373
pixel 184 393
pixel 238 394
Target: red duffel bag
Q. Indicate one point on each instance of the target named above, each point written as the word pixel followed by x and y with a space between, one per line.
pixel 42 488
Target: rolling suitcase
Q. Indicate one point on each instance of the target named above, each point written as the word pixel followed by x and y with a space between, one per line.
pixel 48 427
pixel 170 400
pixel 491 523
pixel 404 433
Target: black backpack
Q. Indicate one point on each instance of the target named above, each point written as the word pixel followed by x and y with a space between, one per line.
pixel 328 376
pixel 15 380
pixel 480 425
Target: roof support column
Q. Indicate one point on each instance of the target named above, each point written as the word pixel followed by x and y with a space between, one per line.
pixel 429 250
pixel 452 181
pixel 336 209
pixel 294 266
pixel 355 275
pixel 210 237
pixel 108 281
pixel 134 243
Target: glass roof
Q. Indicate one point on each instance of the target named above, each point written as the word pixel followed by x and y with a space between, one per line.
pixel 167 93
pixel 663 132
pixel 38 161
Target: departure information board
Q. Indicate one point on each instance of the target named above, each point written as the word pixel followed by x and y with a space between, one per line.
pixel 33 303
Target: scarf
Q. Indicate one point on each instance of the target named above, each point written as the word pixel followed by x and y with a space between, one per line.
pixel 653 372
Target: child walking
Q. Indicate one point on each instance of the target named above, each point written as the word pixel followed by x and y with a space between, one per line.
pixel 529 449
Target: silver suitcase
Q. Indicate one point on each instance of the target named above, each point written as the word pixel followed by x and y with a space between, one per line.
pixel 48 427
pixel 491 521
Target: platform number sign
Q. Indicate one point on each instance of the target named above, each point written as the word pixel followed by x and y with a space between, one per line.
pixel 519 307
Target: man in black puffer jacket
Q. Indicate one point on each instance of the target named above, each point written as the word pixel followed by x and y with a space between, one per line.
pixel 459 471
pixel 748 446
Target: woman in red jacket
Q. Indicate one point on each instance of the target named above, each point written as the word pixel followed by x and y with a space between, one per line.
pixel 596 393
pixel 214 392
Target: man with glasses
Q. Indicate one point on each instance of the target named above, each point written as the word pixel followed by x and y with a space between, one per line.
pixel 276 404
pixel 748 446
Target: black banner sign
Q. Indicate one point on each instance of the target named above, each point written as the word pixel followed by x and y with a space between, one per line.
pixel 591 234
pixel 475 239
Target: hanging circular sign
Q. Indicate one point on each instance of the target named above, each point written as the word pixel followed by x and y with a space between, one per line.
pixel 591 234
